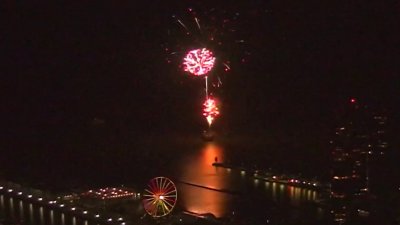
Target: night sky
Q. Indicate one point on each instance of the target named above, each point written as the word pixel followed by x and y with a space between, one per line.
pixel 65 64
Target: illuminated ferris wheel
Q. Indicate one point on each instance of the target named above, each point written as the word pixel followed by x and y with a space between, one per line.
pixel 160 197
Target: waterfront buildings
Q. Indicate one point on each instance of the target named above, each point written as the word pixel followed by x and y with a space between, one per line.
pixel 358 155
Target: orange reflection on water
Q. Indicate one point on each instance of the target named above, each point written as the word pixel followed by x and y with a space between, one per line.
pixel 199 170
pixel 205 201
pixel 294 195
pixel 297 194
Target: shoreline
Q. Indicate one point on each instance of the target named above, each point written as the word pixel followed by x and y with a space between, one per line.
pixel 277 178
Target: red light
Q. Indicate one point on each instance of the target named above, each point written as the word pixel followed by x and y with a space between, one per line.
pixel 353 100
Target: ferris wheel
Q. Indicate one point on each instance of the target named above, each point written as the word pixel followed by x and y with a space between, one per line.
pixel 160 197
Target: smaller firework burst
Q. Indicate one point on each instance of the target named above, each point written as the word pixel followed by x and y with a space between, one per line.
pixel 199 61
pixel 210 110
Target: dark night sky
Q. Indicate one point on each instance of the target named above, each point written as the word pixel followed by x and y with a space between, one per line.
pixel 63 64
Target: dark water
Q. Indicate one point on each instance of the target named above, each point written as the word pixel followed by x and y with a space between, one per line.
pixel 196 168
pixel 186 160
pixel 13 209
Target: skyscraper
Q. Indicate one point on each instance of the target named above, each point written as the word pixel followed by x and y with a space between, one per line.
pixel 358 150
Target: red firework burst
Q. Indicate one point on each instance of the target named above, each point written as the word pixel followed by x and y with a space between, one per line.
pixel 210 110
pixel 199 61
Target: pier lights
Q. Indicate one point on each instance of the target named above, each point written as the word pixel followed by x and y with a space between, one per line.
pixel 29 196
pixel 19 193
pixel 73 208
pixel 97 215
pixel 1 187
pixel 62 205
pixel 85 212
pixel 120 219
pixel 123 223
pixel 40 199
pixel 10 190
pixel 109 220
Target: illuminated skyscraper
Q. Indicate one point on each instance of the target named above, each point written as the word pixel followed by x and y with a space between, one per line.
pixel 358 151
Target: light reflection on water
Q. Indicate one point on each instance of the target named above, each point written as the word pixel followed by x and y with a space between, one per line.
pixel 31 219
pixel 21 209
pixel 12 211
pixel 199 169
pixel 1 202
pixel 51 217
pixel 196 168
pixel 74 220
pixel 62 219
pixel 41 215
pixel 274 196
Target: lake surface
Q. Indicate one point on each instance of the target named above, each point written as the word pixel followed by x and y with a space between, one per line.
pixel 246 197
pixel 202 188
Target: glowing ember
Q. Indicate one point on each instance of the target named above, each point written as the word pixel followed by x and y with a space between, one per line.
pixel 210 110
pixel 199 61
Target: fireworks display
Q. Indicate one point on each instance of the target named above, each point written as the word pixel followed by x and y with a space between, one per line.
pixel 206 33
pixel 199 61
pixel 210 110
pixel 205 43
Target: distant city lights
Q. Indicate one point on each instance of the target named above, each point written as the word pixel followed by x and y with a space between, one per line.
pixel 109 193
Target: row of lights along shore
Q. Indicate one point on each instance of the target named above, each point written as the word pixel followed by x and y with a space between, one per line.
pixel 61 205
pixel 288 181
